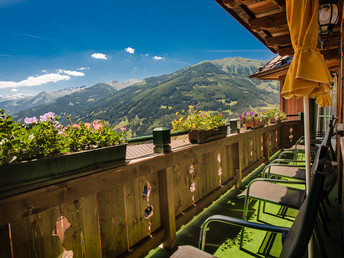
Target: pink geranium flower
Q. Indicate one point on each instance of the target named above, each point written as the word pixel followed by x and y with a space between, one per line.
pixel 95 122
pixel 98 127
pixel 88 125
pixel 123 128
pixel 76 125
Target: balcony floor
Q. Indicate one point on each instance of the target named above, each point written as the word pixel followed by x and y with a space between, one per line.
pixel 223 240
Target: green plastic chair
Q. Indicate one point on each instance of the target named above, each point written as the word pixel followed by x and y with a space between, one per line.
pixel 295 239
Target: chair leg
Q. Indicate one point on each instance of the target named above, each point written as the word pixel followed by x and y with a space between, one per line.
pixel 244 217
pixel 284 211
pixel 328 201
pixel 258 212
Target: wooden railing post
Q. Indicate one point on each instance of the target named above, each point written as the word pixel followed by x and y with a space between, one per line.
pixel 266 150
pixel 238 153
pixel 282 143
pixel 167 211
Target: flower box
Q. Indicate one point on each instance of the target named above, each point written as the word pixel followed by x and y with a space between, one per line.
pixel 201 136
pixel 249 124
pixel 274 120
pixel 15 175
pixel 258 123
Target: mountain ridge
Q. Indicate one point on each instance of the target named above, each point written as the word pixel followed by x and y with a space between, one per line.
pixel 216 86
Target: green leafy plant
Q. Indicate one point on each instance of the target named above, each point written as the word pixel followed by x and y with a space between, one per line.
pixel 196 120
pixel 46 137
pixel 247 116
pixel 276 113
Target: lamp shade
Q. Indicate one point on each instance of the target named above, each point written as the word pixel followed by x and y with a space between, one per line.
pixel 328 16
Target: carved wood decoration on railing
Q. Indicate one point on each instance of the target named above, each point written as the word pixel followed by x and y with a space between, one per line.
pixel 219 171
pixel 131 209
pixel 62 225
pixel 193 184
pixel 291 136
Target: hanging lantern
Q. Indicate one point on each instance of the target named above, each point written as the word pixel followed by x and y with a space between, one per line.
pixel 328 17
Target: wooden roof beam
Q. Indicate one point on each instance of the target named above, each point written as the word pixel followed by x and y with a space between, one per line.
pixel 270 21
pixel 282 40
pixel 235 3
pixel 280 4
pixel 329 54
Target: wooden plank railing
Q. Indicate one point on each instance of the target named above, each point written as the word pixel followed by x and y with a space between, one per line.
pixel 128 210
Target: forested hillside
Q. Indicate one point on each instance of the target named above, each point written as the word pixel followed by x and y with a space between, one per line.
pixel 219 86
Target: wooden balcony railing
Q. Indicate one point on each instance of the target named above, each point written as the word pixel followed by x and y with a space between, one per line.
pixel 131 209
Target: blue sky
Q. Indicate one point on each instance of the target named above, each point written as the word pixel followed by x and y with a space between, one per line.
pixel 49 44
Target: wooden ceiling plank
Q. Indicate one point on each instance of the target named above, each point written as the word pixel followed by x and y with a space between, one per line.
pixel 329 54
pixel 279 40
pixel 235 3
pixel 269 21
pixel 270 12
pixel 280 4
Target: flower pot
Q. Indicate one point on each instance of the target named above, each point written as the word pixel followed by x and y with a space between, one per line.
pixel 273 120
pixel 249 124
pixel 201 136
pixel 24 173
pixel 258 123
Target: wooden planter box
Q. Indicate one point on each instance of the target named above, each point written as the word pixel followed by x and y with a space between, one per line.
pixel 209 135
pixel 249 124
pixel 258 123
pixel 24 173
pixel 273 120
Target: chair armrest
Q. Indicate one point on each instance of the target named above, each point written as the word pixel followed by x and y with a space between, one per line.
pixel 238 222
pixel 294 151
pixel 277 181
pixel 279 165
pixel 286 161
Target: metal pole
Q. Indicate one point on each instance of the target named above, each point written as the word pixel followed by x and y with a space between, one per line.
pixel 308 159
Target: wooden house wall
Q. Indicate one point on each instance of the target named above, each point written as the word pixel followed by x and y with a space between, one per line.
pixel 293 106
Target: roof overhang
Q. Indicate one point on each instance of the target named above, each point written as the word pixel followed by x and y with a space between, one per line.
pixel 266 20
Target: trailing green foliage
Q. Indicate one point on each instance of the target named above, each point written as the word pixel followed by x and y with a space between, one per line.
pixel 196 120
pixel 46 137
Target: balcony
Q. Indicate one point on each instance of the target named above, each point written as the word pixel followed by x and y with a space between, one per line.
pixel 131 209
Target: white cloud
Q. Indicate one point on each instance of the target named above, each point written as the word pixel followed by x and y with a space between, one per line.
pixel 44 71
pixel 130 50
pixel 14 90
pixel 83 68
pixel 99 56
pixel 158 57
pixel 35 81
pixel 73 73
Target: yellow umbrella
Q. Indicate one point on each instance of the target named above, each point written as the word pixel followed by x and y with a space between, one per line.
pixel 308 74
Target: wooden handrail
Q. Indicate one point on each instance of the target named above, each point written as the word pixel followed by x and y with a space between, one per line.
pixel 107 209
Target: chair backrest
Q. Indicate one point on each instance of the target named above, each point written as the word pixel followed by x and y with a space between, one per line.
pixel 297 239
pixel 331 178
pixel 318 163
pixel 328 134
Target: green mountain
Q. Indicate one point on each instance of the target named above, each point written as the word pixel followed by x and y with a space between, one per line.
pixel 13 106
pixel 219 86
